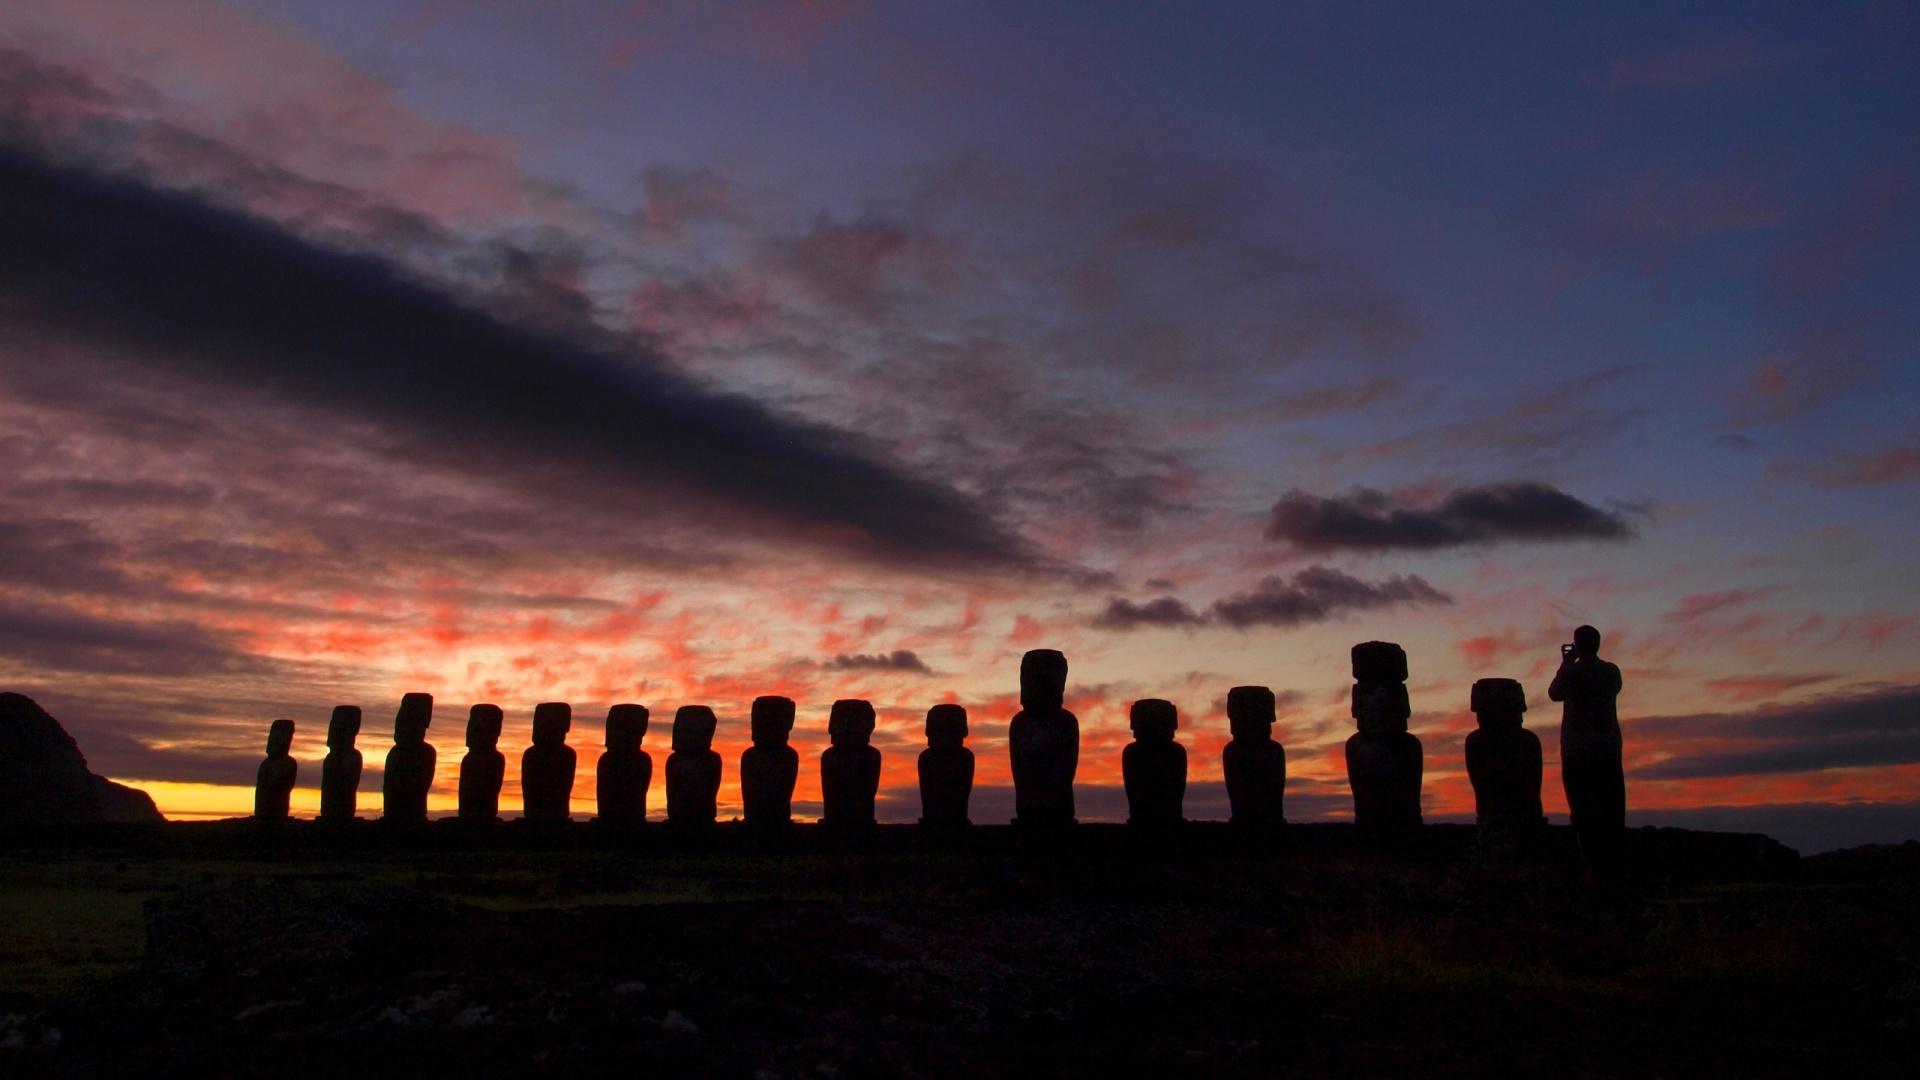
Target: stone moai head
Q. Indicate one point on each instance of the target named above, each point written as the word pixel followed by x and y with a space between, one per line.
pixel 1043 679
pixel 1250 712
pixel 1499 703
pixel 693 727
pixel 850 723
pixel 280 738
pixel 1381 708
pixel 410 723
pixel 771 720
pixel 946 726
pixel 343 727
pixel 1153 720
pixel 551 722
pixel 483 727
pixel 626 727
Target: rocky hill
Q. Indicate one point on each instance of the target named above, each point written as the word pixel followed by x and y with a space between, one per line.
pixel 44 778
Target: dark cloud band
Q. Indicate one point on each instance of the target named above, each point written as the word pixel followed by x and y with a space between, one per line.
pixel 1368 520
pixel 1316 594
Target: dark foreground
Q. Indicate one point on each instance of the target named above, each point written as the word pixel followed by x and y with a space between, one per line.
pixel 216 950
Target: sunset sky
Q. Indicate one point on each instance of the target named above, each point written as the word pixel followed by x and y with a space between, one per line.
pixel 682 352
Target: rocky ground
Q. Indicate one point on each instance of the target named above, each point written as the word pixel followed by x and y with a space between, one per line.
pixel 1320 957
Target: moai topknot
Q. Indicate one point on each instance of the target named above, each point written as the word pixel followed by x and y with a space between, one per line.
pixel 273 784
pixel 1255 765
pixel 410 764
pixel 1384 760
pixel 769 768
pixel 693 769
pixel 1043 742
pixel 484 767
pixel 1153 766
pixel 625 771
pixel 850 767
pixel 340 771
pixel 1503 759
pixel 547 767
pixel 946 769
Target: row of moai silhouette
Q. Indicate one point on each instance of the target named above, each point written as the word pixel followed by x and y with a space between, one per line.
pixel 1384 759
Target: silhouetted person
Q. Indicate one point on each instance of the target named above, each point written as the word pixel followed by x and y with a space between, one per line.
pixel 1384 760
pixel 1043 742
pixel 273 784
pixel 946 769
pixel 693 769
pixel 547 767
pixel 625 772
pixel 410 764
pixel 850 767
pixel 484 768
pixel 769 768
pixel 1255 765
pixel 340 771
pixel 1154 767
pixel 1503 759
pixel 1590 760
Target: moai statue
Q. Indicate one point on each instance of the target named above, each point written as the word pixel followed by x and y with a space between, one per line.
pixel 1503 759
pixel 1154 767
pixel 546 769
pixel 946 769
pixel 693 769
pixel 1043 742
pixel 340 771
pixel 410 764
pixel 1383 759
pixel 769 768
pixel 1255 765
pixel 625 771
pixel 484 767
pixel 850 767
pixel 273 784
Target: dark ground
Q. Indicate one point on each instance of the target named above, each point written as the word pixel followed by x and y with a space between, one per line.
pixel 214 949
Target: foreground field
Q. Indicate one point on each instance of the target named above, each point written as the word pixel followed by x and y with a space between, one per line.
pixel 228 953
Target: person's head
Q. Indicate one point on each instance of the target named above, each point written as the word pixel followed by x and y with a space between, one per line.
pixel 1250 712
pixel 693 727
pixel 850 723
pixel 551 722
pixel 410 723
pixel 626 726
pixel 1153 720
pixel 280 738
pixel 343 727
pixel 771 720
pixel 483 727
pixel 946 726
pixel 1043 679
pixel 1586 641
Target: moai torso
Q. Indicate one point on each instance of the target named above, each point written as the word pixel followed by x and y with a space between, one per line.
pixel 693 769
pixel 483 768
pixel 1255 765
pixel 273 785
pixel 946 768
pixel 1154 767
pixel 625 771
pixel 410 764
pixel 1384 760
pixel 1043 743
pixel 547 767
pixel 769 768
pixel 340 770
pixel 1503 758
pixel 850 767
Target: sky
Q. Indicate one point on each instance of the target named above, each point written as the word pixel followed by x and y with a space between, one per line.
pixel 683 352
